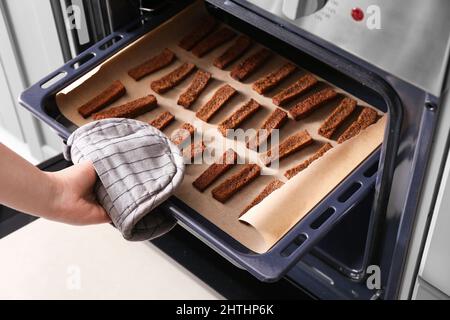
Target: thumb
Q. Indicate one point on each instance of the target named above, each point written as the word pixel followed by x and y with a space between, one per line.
pixel 84 176
pixel 97 215
pixel 87 170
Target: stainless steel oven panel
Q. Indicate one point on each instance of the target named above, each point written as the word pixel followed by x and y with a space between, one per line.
pixel 412 43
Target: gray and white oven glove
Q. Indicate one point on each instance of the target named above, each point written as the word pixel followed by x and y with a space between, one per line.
pixel 138 169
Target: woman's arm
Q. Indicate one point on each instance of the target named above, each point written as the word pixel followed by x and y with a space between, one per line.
pixel 66 196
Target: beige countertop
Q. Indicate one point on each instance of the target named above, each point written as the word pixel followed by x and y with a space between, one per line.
pixel 46 260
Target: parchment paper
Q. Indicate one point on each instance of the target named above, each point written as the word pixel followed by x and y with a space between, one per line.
pixel 277 214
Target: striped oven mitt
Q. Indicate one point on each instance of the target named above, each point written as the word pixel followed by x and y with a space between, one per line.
pixel 138 169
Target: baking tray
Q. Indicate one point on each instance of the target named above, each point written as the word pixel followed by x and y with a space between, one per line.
pixel 270 266
pixel 347 71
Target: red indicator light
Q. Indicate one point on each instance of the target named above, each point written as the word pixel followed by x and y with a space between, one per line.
pixel 357 14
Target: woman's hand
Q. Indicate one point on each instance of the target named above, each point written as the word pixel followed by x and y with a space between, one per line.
pixel 74 201
pixel 66 196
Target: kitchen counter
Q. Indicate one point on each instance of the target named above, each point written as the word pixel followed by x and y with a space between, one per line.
pixel 46 260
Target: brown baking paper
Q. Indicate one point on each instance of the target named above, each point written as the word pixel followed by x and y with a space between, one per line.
pixel 266 223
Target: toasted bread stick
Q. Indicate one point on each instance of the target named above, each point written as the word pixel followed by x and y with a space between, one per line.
pixel 305 164
pixel 275 121
pixel 238 117
pixel 268 190
pixel 162 121
pixel 113 93
pixel 220 98
pixel 289 146
pixel 172 79
pixel 246 68
pixel 232 185
pixel 204 28
pixel 197 86
pixel 237 49
pixel 213 41
pixel 216 170
pixel 344 110
pixel 182 134
pixel 367 117
pixel 152 65
pixel 131 109
pixel 295 90
pixel 273 79
pixel 310 104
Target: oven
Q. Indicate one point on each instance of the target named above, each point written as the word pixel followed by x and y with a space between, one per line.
pixel 379 51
